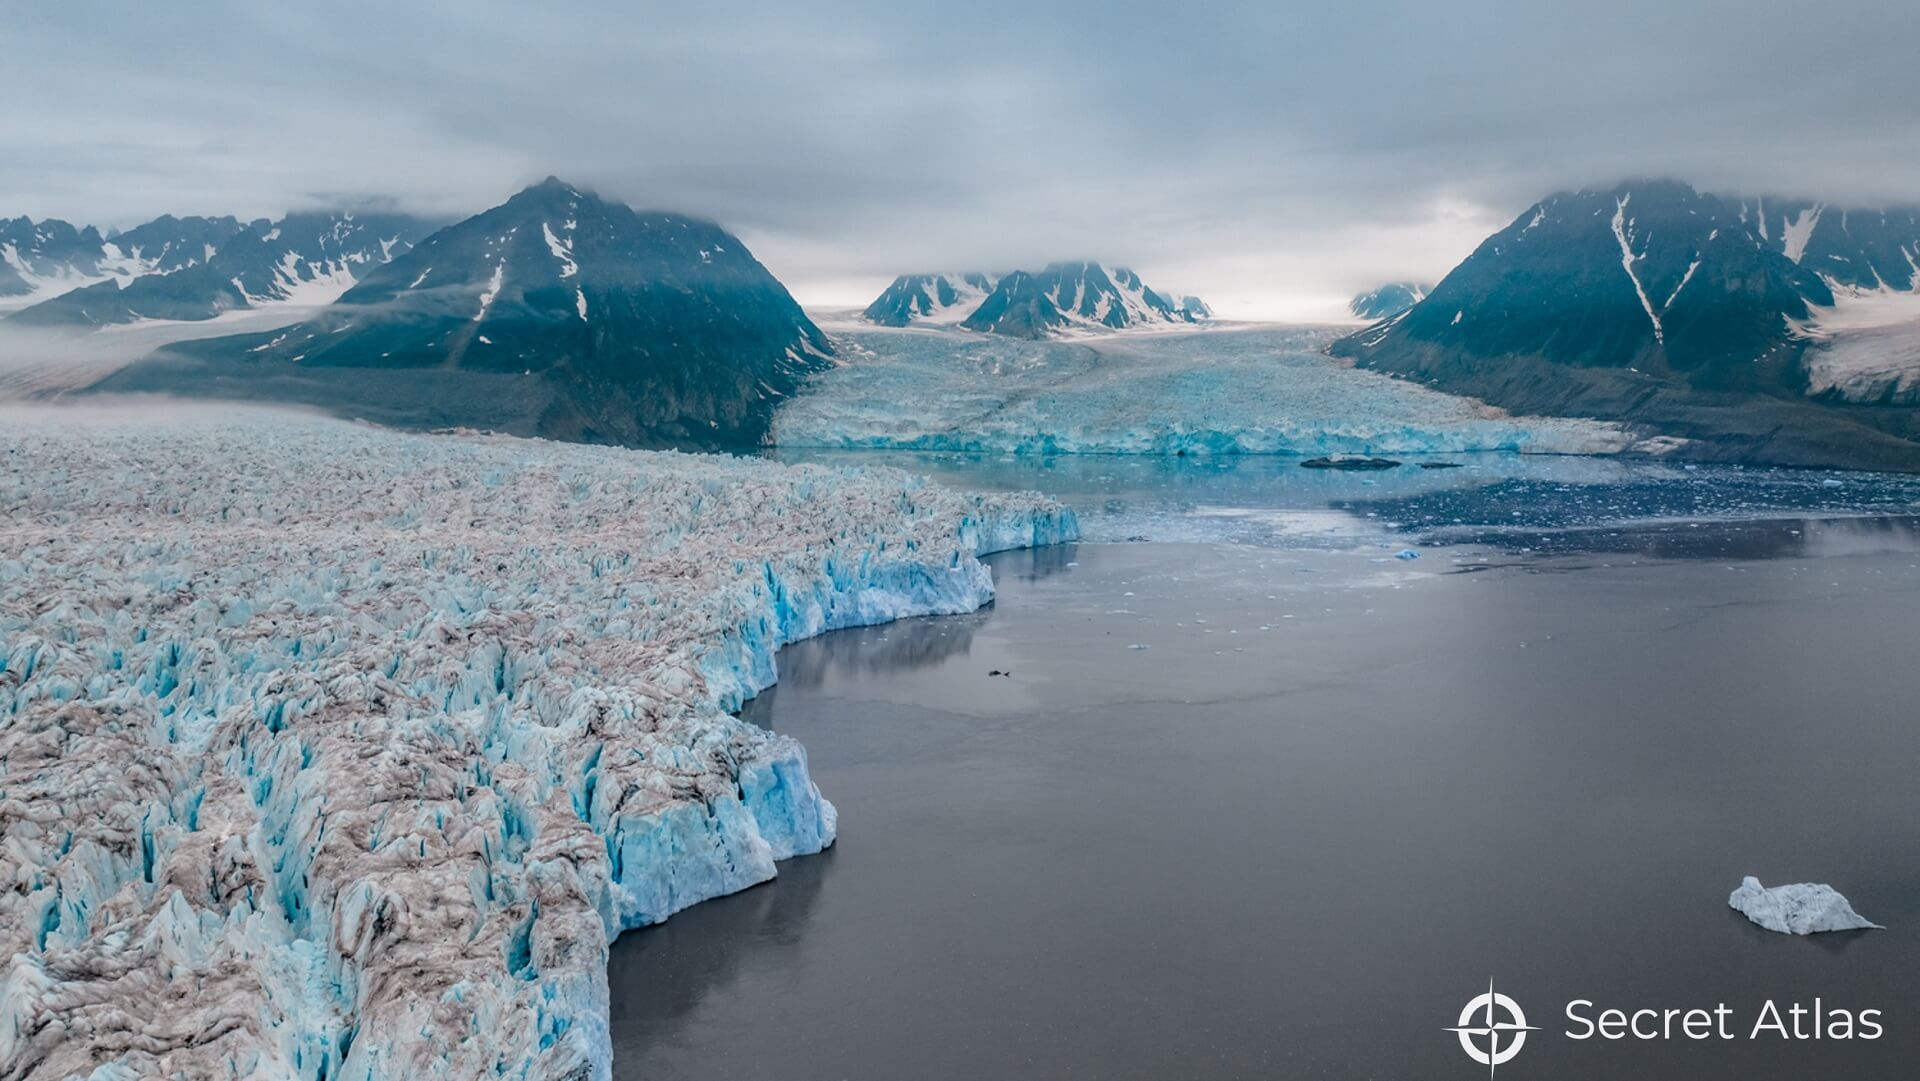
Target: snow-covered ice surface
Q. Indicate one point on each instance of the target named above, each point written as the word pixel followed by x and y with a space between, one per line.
pixel 1866 347
pixel 331 752
pixel 1262 390
pixel 1802 908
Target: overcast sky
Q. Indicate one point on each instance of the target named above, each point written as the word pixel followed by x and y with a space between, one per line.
pixel 1273 158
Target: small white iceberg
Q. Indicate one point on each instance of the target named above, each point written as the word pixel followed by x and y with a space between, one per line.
pixel 1799 909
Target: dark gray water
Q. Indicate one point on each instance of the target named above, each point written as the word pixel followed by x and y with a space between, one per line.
pixel 1337 795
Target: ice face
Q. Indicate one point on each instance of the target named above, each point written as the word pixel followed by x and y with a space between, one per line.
pixel 1264 391
pixel 330 752
pixel 1799 909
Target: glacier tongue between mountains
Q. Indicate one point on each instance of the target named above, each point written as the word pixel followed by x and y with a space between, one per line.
pixel 369 743
pixel 1256 391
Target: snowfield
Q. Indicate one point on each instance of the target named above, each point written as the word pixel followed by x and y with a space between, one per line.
pixel 332 752
pixel 1262 390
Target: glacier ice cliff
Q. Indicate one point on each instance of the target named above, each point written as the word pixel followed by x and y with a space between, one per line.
pixel 1261 390
pixel 333 753
pixel 1798 909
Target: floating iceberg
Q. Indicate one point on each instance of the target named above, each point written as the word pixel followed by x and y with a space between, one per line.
pixel 1800 909
pixel 1256 391
pixel 328 752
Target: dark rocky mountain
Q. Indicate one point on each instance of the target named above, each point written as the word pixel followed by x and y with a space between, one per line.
pixel 309 256
pixel 49 257
pixel 557 314
pixel 1649 303
pixel 1077 296
pixel 1388 300
pixel 930 298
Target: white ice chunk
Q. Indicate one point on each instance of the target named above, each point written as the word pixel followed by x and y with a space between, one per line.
pixel 1799 909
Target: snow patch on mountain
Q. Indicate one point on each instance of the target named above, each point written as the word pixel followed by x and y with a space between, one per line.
pixel 332 752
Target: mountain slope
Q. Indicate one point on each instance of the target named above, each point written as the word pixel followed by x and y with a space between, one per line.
pixel 308 257
pixel 1648 302
pixel 557 314
pixel 1859 249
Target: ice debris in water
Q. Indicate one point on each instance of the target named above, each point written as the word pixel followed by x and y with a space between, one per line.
pixel 1406 553
pixel 1264 391
pixel 1799 909
pixel 331 752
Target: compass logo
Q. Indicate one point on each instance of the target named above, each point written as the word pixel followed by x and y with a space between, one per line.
pixel 1497 1019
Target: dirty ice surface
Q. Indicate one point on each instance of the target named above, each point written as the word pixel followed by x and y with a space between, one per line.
pixel 328 752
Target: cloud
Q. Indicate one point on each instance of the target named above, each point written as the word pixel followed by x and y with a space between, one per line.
pixel 1280 155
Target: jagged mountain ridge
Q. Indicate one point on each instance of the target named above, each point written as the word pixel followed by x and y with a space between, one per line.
pixel 50 257
pixel 556 313
pixel 306 257
pixel 1061 298
pixel 1646 302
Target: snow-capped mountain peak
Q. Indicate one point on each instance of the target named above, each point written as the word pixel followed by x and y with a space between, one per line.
pixel 1063 298
pixel 1388 300
pixel 930 298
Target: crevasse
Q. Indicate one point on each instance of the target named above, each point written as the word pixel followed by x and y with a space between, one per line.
pixel 328 752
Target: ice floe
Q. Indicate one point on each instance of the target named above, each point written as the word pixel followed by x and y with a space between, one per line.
pixel 333 752
pixel 1799 909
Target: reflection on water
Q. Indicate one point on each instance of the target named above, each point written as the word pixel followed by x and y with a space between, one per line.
pixel 1791 538
pixel 704 947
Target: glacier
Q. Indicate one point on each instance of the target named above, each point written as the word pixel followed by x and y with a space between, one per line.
pixel 1247 390
pixel 1802 908
pixel 335 753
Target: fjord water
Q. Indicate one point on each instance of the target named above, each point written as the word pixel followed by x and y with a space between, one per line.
pixel 1259 798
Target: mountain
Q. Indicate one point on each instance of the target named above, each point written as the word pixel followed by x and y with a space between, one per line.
pixel 1081 296
pixel 1062 298
pixel 557 314
pixel 1388 300
pixel 50 257
pixel 307 257
pixel 930 298
pixel 167 243
pixel 1648 302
